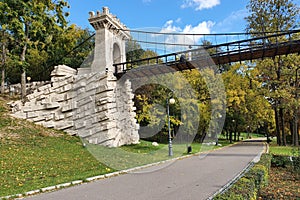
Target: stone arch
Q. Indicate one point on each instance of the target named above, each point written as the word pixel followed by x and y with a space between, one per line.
pixel 117 57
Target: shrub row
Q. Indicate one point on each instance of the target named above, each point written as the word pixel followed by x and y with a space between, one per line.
pixel 247 187
pixel 287 161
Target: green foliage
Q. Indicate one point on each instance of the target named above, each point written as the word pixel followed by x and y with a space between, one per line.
pixel 40 38
pixel 278 75
pixel 271 15
pixel 281 161
pixel 249 185
pixel 244 189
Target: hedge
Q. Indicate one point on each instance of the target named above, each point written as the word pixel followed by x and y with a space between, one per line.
pixel 247 187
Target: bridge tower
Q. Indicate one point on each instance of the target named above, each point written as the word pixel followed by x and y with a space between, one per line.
pixel 109 41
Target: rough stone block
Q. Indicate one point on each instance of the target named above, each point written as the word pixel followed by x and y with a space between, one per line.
pixel 69 107
pixel 79 124
pixel 79 85
pixel 30 115
pixel 58 98
pixel 32 108
pixel 63 70
pixel 85 101
pixel 51 105
pixel 58 116
pixel 38 119
pixel 44 87
pixel 64 125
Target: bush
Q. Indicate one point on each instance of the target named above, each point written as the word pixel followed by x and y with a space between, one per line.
pixel 259 175
pixel 243 189
pixel 249 185
pixel 281 161
pixel 296 163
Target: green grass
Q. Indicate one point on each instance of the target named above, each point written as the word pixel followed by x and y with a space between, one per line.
pixel 283 150
pixel 144 153
pixel 33 157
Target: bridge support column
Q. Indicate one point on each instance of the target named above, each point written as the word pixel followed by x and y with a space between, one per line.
pixel 114 110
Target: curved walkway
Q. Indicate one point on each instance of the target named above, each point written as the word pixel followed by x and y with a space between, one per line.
pixel 187 179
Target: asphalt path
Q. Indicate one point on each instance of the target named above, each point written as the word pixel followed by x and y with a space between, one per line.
pixel 192 178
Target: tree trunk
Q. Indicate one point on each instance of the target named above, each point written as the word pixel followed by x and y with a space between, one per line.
pixel 23 75
pixel 282 124
pixel 3 68
pixel 295 130
pixel 277 126
pixel 3 80
pixel 295 117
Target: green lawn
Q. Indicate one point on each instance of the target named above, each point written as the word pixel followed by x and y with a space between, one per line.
pixel 144 153
pixel 284 150
pixel 33 157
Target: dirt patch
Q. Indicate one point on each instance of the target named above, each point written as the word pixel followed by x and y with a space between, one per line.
pixel 283 184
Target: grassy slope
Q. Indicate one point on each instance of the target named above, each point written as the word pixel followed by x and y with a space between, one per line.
pixel 33 157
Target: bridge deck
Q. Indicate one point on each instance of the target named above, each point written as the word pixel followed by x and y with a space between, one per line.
pixel 255 48
pixel 258 53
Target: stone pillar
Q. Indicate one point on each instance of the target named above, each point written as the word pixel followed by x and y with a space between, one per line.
pixel 110 40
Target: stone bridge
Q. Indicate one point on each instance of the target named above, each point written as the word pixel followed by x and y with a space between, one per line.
pixel 89 102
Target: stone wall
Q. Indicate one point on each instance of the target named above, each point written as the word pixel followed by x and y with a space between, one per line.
pixel 94 106
pixel 15 89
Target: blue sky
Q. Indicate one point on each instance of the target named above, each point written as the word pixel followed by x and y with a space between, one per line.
pixel 187 16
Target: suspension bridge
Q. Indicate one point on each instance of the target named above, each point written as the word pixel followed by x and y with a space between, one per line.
pixel 186 53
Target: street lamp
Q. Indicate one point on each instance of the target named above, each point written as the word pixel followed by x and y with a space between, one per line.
pixel 170 101
pixel 248 133
pixel 233 129
pixel 28 79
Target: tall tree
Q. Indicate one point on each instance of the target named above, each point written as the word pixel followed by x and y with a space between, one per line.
pixel 28 21
pixel 3 50
pixel 267 17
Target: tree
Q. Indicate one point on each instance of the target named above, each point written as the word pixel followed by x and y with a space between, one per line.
pixel 134 50
pixel 69 46
pixel 267 17
pixel 4 44
pixel 28 22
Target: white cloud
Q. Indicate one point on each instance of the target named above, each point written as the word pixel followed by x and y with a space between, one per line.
pixel 170 28
pixel 202 28
pixel 234 19
pixel 200 4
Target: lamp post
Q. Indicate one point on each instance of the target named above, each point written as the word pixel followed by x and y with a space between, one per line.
pixel 248 133
pixel 233 129
pixel 170 100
